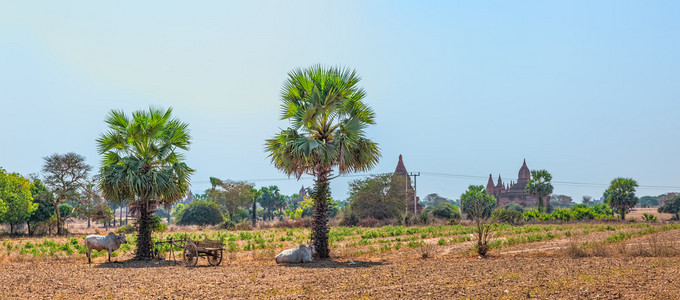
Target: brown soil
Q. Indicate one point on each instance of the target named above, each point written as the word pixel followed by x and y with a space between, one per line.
pixel 437 278
pixel 542 269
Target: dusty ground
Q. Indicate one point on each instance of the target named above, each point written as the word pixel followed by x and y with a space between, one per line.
pixel 544 269
pixel 503 277
pixel 637 212
pixel 541 270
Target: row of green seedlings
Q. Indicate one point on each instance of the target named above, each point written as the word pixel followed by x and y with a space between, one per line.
pixel 457 233
pixel 623 236
pixel 52 248
pixel 548 235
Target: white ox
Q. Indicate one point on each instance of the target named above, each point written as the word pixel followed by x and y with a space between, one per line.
pixel 302 254
pixel 109 242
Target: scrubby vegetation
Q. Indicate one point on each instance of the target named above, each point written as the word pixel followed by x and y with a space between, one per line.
pixel 200 212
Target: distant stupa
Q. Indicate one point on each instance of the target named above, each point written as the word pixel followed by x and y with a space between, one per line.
pixel 513 192
pixel 401 170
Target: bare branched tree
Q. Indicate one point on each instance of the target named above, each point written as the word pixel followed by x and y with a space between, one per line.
pixel 65 176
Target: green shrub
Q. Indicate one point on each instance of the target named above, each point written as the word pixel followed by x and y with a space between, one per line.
pixel 583 212
pixel 228 224
pixel 532 215
pixel 157 224
pixel 349 218
pixel 649 218
pixel 603 209
pixel 446 210
pixel 671 206
pixel 562 214
pixel 128 228
pixel 514 206
pixel 408 219
pixel 65 210
pixel 414 244
pixel 508 216
pixel 200 212
pixel 424 217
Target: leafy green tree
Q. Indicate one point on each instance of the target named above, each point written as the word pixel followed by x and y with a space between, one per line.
pixel 476 203
pixel 328 117
pixel 649 201
pixel 446 210
pixel 44 198
pixel 177 208
pixel 93 206
pixel 200 212
pixel 539 186
pixel 16 198
pixel 514 206
pixel 621 195
pixel 671 206
pixel 142 164
pixel 65 210
pixel 66 174
pixel 561 201
pixel 231 196
pixel 435 199
pixel 270 199
pixel 479 206
pixel 375 197
pixel 102 212
pixel 603 209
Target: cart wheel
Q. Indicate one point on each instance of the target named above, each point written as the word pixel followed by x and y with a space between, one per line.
pixel 190 255
pixel 215 258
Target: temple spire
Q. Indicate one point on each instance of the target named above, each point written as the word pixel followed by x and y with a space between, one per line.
pixel 401 169
pixel 524 173
pixel 489 185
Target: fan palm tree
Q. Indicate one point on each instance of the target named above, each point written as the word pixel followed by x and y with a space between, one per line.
pixel 621 195
pixel 539 185
pixel 141 164
pixel 328 118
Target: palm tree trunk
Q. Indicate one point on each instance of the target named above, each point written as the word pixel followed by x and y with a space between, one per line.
pixel 29 228
pixel 144 232
pixel 320 231
pixel 622 211
pixel 88 222
pixel 540 205
pixel 254 211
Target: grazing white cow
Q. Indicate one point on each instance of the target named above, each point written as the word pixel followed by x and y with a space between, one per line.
pixel 109 242
pixel 302 254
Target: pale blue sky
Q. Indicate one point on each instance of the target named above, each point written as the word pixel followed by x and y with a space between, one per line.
pixel 585 89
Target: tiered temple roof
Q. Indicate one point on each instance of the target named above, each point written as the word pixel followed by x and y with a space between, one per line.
pixel 514 191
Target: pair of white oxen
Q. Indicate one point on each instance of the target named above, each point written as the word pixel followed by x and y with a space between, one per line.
pixel 111 242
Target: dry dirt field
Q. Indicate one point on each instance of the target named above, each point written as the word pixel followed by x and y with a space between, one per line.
pixel 592 261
